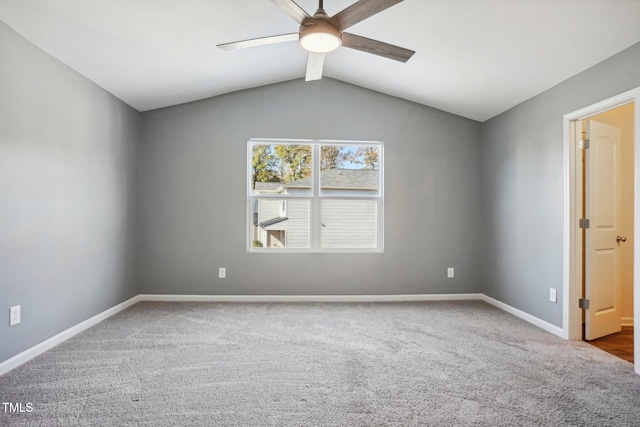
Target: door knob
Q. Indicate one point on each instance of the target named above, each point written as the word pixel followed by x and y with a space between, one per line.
pixel 621 239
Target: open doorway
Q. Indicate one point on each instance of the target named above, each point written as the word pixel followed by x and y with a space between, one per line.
pixel 591 194
pixel 607 243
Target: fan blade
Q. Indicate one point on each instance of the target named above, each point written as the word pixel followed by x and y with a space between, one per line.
pixel 376 47
pixel 259 41
pixel 315 64
pixel 360 11
pixel 293 10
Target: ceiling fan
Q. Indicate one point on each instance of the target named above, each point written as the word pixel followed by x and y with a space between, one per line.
pixel 320 34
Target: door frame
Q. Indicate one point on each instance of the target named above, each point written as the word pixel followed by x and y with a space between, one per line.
pixel 572 251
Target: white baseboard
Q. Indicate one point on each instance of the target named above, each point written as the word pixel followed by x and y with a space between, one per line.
pixel 38 349
pixel 627 321
pixel 309 298
pixel 555 330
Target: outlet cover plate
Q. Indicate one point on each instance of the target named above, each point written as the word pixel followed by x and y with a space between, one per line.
pixel 14 315
pixel 222 273
pixel 450 272
pixel 553 297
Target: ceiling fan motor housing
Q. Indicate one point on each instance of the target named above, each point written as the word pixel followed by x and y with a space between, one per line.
pixel 320 35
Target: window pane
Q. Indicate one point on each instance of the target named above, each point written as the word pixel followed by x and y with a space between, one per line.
pixel 349 170
pixel 348 224
pixel 280 169
pixel 281 223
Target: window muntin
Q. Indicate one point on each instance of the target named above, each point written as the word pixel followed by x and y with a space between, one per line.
pixel 315 196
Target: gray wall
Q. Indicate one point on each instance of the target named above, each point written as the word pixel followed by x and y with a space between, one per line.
pixel 193 194
pixel 68 196
pixel 522 161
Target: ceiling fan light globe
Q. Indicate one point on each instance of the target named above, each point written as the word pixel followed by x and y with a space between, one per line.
pixel 320 43
pixel 321 37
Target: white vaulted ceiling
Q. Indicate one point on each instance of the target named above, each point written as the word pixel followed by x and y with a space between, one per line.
pixel 474 58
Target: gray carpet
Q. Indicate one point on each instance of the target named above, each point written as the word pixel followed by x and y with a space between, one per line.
pixel 317 364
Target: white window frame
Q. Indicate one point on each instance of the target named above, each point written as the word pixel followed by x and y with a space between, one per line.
pixel 315 197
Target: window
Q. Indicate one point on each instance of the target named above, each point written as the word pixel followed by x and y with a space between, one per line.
pixel 314 196
pixel 283 208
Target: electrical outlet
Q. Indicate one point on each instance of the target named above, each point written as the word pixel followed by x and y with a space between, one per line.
pixel 450 272
pixel 222 273
pixel 553 297
pixel 14 315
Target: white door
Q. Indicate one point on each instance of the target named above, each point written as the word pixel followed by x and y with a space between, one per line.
pixel 603 284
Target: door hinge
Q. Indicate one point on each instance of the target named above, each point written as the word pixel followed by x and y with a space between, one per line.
pixel 583 303
pixel 583 144
pixel 583 223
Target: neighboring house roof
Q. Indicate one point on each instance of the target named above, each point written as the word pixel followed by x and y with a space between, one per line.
pixel 273 221
pixel 349 179
pixel 332 179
